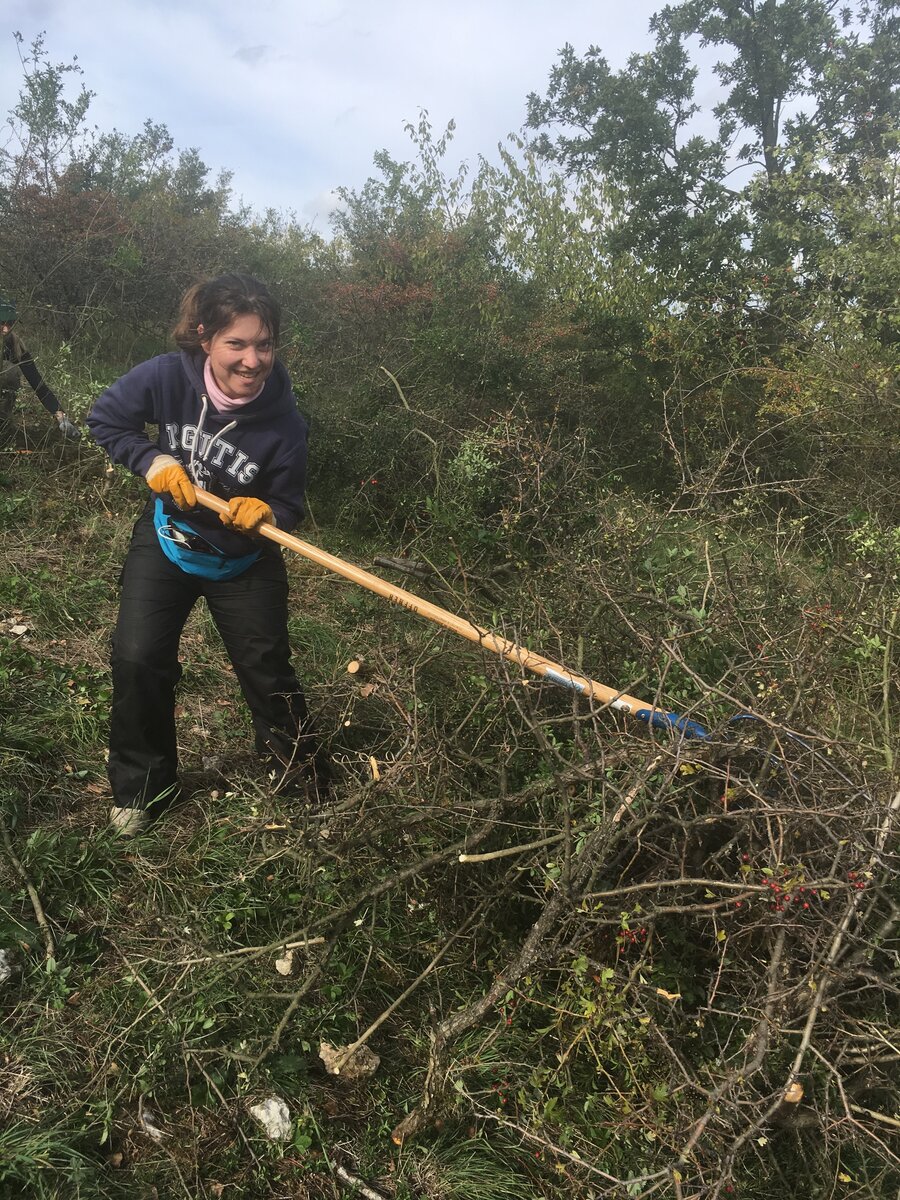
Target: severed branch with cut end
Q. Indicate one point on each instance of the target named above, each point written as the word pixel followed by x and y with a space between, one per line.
pixel 450 1028
pixel 539 940
pixel 360 1186
pixel 39 915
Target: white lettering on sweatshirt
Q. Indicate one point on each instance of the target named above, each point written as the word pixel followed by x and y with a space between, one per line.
pixel 241 468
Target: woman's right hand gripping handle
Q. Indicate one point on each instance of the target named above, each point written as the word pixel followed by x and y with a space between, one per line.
pixel 166 475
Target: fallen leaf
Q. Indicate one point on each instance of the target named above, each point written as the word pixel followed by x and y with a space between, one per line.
pixel 5 966
pixel 367 689
pixel 285 964
pixel 148 1121
pixel 359 1065
pixel 373 767
pixel 793 1093
pixel 668 995
pixel 18 630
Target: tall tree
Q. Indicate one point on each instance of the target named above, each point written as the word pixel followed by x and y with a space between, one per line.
pixel 103 230
pixel 46 127
pixel 808 91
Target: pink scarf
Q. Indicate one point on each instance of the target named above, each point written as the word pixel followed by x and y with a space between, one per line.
pixel 221 402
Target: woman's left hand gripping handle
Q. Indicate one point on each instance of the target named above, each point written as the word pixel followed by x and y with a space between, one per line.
pixel 247 513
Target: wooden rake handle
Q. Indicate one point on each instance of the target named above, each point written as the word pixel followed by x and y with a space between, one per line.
pixel 528 660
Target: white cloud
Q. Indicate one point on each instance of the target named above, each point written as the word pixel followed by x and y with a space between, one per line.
pixel 295 96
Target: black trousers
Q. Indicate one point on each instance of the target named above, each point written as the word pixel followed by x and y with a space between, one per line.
pixel 250 613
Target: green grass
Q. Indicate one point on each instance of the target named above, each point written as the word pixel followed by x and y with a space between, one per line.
pixel 164 997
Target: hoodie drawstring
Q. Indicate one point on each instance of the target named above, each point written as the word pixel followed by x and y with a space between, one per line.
pixel 204 409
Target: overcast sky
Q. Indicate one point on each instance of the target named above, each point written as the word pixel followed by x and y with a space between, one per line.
pixel 295 96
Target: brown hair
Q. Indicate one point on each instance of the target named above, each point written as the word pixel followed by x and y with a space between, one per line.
pixel 217 302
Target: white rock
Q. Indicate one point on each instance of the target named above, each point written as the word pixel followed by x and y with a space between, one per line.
pixel 274 1116
pixel 6 967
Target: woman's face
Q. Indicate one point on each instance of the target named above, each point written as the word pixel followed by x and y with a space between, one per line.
pixel 241 356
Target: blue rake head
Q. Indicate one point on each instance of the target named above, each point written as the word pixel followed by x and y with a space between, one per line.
pixel 671 720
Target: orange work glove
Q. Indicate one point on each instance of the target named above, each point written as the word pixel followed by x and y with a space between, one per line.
pixel 166 474
pixel 246 514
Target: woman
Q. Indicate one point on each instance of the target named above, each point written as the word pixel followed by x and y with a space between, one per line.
pixel 228 422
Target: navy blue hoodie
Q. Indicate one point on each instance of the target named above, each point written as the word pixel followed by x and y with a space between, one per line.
pixel 260 450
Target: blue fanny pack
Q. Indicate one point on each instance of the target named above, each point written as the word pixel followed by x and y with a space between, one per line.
pixel 192 553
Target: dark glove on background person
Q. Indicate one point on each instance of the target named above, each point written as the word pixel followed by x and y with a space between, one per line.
pixel 67 428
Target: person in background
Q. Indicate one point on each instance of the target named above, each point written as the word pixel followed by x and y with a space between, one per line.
pixel 17 361
pixel 228 421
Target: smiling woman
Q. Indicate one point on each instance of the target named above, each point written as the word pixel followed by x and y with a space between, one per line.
pixel 228 421
pixel 239 359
